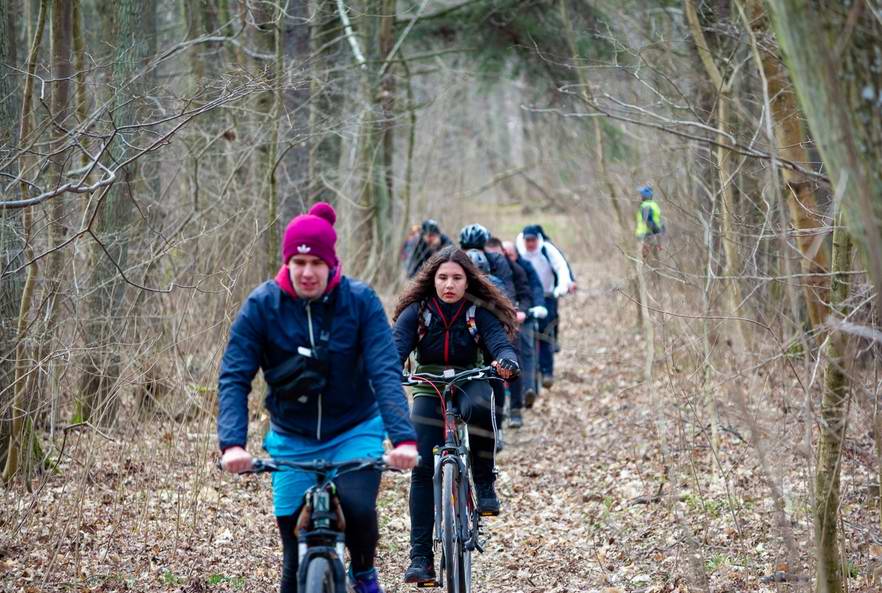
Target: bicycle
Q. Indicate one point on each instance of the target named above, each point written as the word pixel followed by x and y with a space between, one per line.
pixel 321 524
pixel 457 519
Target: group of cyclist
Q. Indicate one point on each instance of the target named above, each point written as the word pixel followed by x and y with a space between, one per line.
pixel 333 366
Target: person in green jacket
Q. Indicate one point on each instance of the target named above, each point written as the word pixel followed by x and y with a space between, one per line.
pixel 649 222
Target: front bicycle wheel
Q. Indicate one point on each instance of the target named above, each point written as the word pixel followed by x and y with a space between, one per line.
pixel 319 576
pixel 451 542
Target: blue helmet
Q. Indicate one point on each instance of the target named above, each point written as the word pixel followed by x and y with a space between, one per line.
pixel 645 192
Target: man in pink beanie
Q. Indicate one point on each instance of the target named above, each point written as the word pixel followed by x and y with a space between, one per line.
pixel 311 267
pixel 325 347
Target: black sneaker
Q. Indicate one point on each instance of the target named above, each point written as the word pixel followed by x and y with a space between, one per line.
pixel 516 420
pixel 529 398
pixel 547 381
pixel 421 570
pixel 488 503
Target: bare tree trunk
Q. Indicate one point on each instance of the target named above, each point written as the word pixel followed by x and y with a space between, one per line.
pixel 832 55
pixel 11 232
pixel 373 231
pixel 61 35
pixel 790 140
pixel 274 221
pixel 18 451
pixel 268 38
pixel 728 235
pixel 103 324
pixel 79 45
pixel 295 185
pixel 834 415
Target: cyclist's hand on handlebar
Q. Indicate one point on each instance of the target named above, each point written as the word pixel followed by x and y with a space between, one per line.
pixel 538 312
pixel 505 368
pixel 402 457
pixel 236 460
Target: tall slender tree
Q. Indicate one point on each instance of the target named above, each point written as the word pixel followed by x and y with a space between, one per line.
pixel 11 232
pixel 104 323
pixel 296 186
pixel 19 445
pixel 831 49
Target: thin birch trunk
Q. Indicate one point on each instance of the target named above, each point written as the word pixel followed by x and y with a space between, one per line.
pixel 833 421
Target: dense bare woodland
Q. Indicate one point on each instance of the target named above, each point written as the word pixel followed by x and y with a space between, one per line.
pixel 716 424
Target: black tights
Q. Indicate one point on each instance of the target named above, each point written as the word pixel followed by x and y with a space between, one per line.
pixel 358 496
pixel 426 416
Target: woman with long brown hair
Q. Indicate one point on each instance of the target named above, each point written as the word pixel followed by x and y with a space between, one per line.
pixel 453 317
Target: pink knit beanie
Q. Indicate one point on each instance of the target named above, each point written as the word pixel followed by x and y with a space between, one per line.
pixel 312 234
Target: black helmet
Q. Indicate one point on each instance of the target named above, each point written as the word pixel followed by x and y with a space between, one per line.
pixel 479 259
pixel 473 236
pixel 430 226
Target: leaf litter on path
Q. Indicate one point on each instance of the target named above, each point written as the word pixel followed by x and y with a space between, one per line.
pixel 586 502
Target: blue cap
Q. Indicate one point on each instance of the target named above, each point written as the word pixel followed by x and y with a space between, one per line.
pixel 532 230
pixel 646 192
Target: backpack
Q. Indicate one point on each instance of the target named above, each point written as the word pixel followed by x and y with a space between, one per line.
pixel 425 319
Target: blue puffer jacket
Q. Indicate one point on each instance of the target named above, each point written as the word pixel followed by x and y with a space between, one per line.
pixel 365 372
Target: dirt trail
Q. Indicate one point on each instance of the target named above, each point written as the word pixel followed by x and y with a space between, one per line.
pixel 576 484
pixel 571 463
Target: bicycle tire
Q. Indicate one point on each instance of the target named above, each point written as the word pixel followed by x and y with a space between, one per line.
pixel 468 531
pixel 451 544
pixel 319 576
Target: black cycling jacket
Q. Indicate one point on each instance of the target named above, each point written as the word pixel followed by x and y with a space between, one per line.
pixel 447 340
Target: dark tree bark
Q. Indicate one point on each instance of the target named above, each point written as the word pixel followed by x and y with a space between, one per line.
pixel 832 53
pixel 831 49
pixel 375 197
pixel 295 185
pixel 18 446
pixel 102 324
pixel 11 231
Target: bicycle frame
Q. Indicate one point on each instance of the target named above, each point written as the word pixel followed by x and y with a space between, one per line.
pixel 455 451
pixel 321 524
pixel 326 538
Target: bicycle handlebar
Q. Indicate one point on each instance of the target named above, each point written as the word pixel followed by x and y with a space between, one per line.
pixel 319 466
pixel 450 376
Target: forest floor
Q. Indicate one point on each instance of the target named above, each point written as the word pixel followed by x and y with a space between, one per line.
pixel 591 501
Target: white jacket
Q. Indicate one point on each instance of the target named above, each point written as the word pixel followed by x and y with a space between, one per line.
pixel 554 258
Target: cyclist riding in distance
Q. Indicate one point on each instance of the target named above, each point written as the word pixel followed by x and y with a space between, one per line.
pixel 430 242
pixel 479 258
pixel 527 337
pixel 453 317
pixel 327 354
pixel 475 236
pixel 556 278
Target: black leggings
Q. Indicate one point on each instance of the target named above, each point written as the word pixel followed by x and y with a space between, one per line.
pixel 475 407
pixel 358 496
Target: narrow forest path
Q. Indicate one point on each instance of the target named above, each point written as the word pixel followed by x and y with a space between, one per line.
pixel 568 476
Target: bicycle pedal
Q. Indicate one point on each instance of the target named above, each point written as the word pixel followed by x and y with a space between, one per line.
pixel 428 584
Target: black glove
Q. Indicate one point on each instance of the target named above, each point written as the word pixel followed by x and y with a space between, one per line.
pixel 509 365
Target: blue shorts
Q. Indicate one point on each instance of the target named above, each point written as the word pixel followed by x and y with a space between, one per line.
pixel 289 485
